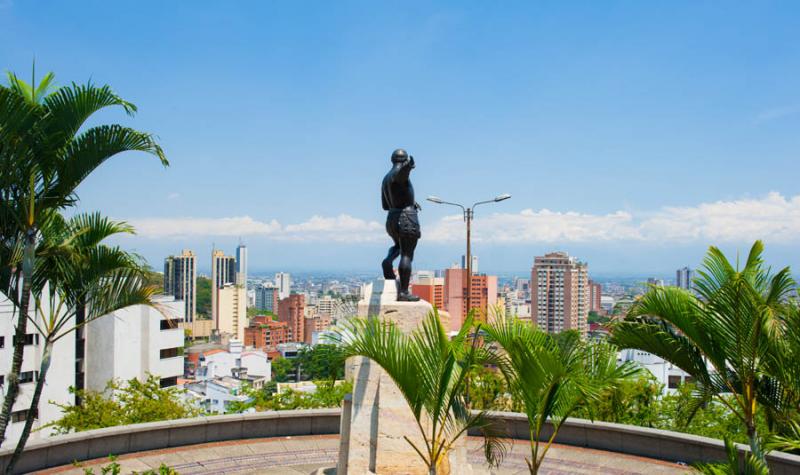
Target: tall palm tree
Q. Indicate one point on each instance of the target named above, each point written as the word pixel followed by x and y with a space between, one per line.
pixel 44 156
pixel 552 375
pixel 430 371
pixel 726 336
pixel 78 274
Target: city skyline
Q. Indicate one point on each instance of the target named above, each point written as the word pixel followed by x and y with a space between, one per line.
pixel 638 170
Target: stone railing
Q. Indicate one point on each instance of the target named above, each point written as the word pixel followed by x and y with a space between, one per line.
pixel 641 441
pixel 63 450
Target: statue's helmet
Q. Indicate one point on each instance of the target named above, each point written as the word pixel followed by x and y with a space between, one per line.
pixel 399 156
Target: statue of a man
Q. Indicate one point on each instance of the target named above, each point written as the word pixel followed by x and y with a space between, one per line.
pixel 402 223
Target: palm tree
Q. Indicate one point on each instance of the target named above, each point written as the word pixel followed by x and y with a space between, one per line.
pixel 44 156
pixel 78 274
pixel 725 337
pixel 551 375
pixel 430 371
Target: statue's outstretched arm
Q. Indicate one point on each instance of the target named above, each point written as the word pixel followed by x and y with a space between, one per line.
pixel 405 170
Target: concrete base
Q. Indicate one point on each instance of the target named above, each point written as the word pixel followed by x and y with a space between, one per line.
pixel 376 418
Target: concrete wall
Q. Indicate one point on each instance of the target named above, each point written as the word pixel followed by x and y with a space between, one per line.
pixel 62 450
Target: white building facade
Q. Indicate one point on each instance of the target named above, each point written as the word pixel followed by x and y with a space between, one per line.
pixel 60 376
pixel 135 341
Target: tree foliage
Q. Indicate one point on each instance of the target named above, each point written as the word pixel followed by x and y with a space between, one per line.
pixel 132 402
pixel 322 361
pixel 327 394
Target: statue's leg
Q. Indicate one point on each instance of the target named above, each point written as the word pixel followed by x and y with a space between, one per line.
pixel 388 268
pixel 407 246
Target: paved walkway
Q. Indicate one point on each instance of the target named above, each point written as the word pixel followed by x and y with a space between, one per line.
pixel 303 455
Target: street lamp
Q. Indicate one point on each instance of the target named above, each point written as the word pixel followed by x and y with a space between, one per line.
pixel 468 215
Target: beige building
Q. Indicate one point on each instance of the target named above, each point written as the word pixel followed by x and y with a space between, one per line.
pixel 231 311
pixel 560 294
pixel 223 272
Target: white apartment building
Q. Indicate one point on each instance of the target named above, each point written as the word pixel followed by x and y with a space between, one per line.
pixel 216 395
pixel 135 341
pixel 284 283
pixel 60 376
pixel 220 363
pixel 665 372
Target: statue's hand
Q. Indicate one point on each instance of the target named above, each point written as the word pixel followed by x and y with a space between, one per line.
pixel 411 161
pixel 417 206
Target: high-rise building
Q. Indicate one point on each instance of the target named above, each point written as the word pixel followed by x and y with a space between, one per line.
pixel 483 295
pixel 223 272
pixel 560 295
pixel 430 289
pixel 267 297
pixel 325 305
pixel 595 293
pixel 474 263
pixel 180 281
pixel 284 283
pixel 292 311
pixel 241 264
pixel 231 316
pixel 683 278
pixel 655 282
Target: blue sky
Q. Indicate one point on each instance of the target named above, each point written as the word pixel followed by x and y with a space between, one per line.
pixel 631 134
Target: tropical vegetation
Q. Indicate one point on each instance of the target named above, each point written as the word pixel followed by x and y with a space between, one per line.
pixel 430 370
pixel 736 334
pixel 551 376
pixel 121 403
pixel 45 153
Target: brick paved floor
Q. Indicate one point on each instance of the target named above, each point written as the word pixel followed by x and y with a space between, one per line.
pixel 303 455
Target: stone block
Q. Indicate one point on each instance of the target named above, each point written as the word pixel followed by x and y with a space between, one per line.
pixel 377 421
pixel 226 427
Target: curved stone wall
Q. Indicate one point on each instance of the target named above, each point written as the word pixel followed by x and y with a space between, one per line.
pixel 62 450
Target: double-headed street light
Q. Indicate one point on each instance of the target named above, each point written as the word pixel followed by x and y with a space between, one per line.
pixel 468 214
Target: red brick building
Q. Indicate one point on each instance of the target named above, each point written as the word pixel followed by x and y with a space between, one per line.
pixel 432 293
pixel 265 333
pixel 291 311
pixel 483 295
pixel 315 324
pixel 595 292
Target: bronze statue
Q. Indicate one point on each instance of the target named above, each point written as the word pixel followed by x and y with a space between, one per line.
pixel 402 223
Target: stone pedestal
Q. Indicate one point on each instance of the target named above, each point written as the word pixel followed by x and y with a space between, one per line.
pixel 376 417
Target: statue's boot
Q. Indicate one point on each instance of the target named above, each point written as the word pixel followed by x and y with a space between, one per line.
pixel 407 297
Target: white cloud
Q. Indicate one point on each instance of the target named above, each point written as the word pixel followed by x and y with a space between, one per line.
pixel 773 217
pixel 185 227
pixel 342 228
pixel 173 196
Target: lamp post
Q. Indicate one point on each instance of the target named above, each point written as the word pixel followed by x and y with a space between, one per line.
pixel 468 215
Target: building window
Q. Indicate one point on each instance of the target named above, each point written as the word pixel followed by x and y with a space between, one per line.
pixel 170 324
pixel 168 382
pixel 674 382
pixel 170 352
pixel 2 342
pixel 19 416
pixel 28 376
pixel 2 380
pixel 31 339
